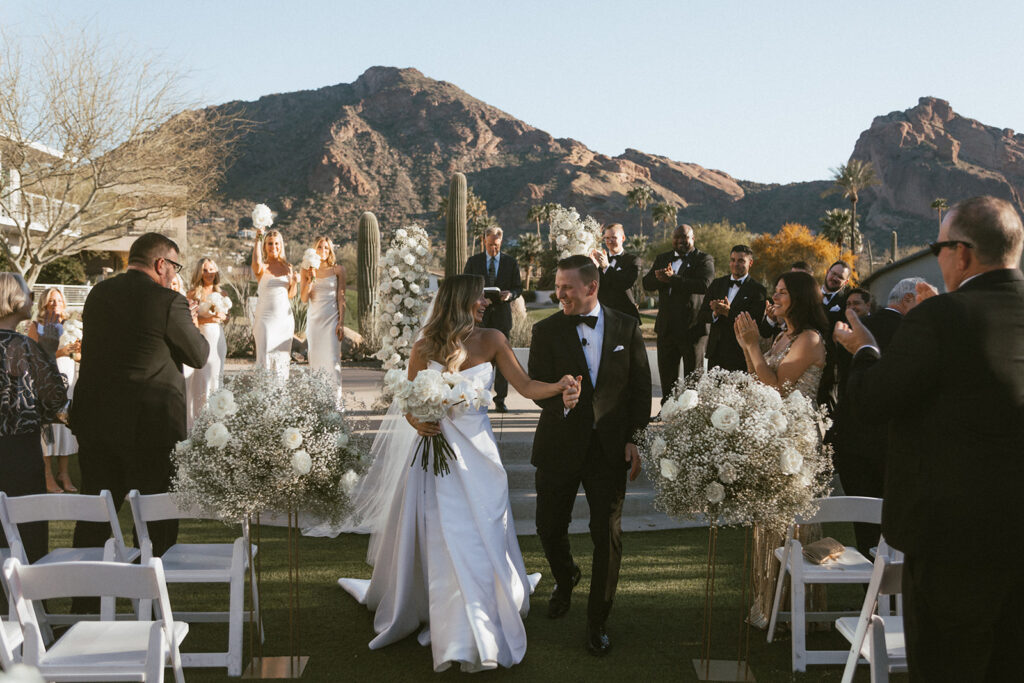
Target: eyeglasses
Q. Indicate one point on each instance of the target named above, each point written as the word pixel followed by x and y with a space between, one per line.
pixel 937 247
pixel 177 266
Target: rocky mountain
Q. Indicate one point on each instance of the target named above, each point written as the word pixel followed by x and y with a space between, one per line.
pixel 390 141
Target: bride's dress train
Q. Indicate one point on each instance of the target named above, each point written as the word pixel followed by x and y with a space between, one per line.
pixel 448 558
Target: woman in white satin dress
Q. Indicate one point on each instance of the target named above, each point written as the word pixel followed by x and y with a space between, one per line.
pixel 273 323
pixel 206 380
pixel 446 557
pixel 324 289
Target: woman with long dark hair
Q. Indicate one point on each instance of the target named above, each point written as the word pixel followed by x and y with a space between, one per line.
pixel 446 554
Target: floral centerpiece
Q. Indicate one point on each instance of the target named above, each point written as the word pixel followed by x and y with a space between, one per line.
pixel 571 235
pixel 430 396
pixel 401 297
pixel 260 446
pixel 732 449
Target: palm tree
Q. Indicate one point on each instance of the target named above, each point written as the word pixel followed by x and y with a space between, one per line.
pixel 478 226
pixel 537 213
pixel 665 214
pixel 475 207
pixel 851 179
pixel 640 196
pixel 530 248
pixel 636 244
pixel 940 204
pixel 835 226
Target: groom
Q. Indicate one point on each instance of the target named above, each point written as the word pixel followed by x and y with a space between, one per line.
pixel 587 436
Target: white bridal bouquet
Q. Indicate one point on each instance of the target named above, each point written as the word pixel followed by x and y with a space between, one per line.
pixel 72 332
pixel 260 446
pixel 431 396
pixel 215 304
pixel 262 217
pixel 572 236
pixel 310 259
pixel 402 295
pixel 732 449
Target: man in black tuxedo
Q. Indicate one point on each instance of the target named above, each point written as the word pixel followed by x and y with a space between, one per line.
pixel 618 271
pixel 681 278
pixel 501 271
pixel 951 385
pixel 833 298
pixel 726 298
pixel 129 407
pixel 587 436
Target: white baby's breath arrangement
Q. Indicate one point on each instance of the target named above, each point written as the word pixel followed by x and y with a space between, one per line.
pixel 310 259
pixel 261 446
pixel 262 217
pixel 402 295
pixel 732 449
pixel 570 235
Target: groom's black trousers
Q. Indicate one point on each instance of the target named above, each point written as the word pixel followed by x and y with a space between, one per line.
pixel 604 483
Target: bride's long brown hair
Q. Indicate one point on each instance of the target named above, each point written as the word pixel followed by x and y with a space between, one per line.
pixel 452 320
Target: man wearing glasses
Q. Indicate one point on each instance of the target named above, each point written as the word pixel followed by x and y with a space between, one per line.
pixel 129 407
pixel 950 385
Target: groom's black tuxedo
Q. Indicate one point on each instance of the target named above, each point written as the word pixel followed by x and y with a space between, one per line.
pixel 587 444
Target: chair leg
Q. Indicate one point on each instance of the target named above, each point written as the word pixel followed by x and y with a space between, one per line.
pixel 255 591
pixel 879 664
pixel 777 600
pixel 798 630
pixel 236 607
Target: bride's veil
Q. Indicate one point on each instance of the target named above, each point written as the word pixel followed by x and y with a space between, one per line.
pixel 373 497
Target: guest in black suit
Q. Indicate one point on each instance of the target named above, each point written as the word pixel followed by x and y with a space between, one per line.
pixel 129 407
pixel 951 384
pixel 727 297
pixel 588 436
pixel 681 278
pixel 618 271
pixel 902 297
pixel 501 271
pixel 833 298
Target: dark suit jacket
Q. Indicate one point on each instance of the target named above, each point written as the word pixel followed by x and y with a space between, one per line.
pixel 883 324
pixel 723 350
pixel 835 311
pixel 679 300
pixel 499 313
pixel 619 406
pixel 616 288
pixel 136 336
pixel 952 381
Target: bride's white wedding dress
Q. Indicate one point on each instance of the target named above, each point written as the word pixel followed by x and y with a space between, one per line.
pixel 448 558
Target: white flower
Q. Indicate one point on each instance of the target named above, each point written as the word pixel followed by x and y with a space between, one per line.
pixel 715 492
pixel 349 481
pixel 396 299
pixel 262 217
pixel 291 438
pixel 394 271
pixel 791 461
pixel 561 240
pixel 394 331
pixel 409 301
pixel 398 286
pixel 669 469
pixel 688 400
pixel 409 259
pixel 414 288
pixel 182 446
pixel 669 410
pixel 580 236
pixel 401 233
pixel 385 318
pixel 778 421
pixel 726 473
pixel 222 404
pixel 390 308
pixel 217 435
pixel 658 447
pixel 806 476
pixel 421 251
pixel 301 463
pixel 796 398
pixel 341 440
pixel 725 418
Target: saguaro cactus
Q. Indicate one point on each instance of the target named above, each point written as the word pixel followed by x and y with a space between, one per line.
pixel 455 257
pixel 367 276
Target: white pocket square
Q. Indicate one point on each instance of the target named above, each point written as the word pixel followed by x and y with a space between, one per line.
pixel 618 348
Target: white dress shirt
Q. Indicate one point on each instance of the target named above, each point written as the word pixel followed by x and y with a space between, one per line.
pixel 611 258
pixel 592 340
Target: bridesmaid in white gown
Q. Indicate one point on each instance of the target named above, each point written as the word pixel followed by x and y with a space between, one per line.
pixel 206 380
pixel 447 556
pixel 273 324
pixel 324 289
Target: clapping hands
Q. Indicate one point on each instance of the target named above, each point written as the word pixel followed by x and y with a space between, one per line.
pixel 746 330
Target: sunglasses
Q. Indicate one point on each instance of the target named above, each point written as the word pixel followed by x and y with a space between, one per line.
pixel 937 247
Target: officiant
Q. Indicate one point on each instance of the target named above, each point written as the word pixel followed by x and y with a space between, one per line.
pixel 499 271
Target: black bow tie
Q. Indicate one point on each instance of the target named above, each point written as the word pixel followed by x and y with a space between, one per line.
pixel 736 283
pixel 680 256
pixel 585 320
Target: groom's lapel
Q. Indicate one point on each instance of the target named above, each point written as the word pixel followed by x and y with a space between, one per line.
pixel 611 333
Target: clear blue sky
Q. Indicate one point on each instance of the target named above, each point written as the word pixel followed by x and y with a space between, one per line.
pixel 766 91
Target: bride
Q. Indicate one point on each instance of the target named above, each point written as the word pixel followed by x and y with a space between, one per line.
pixel 444 551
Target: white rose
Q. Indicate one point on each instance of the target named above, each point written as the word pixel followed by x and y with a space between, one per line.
pixel 394 331
pixel 715 492
pixel 725 418
pixel 581 236
pixel 409 301
pixel 806 476
pixel 791 461
pixel 778 421
pixel 398 286
pixel 262 217
pixel 669 469
pixel 394 272
pixel 658 447
pixel 795 398
pixel 385 318
pixel 401 233
pixel 396 299
pixel 409 259
pixel 301 463
pixel 726 473
pixel 217 435
pixel 398 318
pixel 421 251
pixel 341 440
pixel 182 446
pixel 393 377
pixel 561 240
pixel 291 438
pixel 688 400
pixel 669 410
pixel 390 308
pixel 222 404
pixel 414 288
pixel 349 481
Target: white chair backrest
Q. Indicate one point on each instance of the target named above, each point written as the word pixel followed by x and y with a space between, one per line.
pixel 51 507
pixel 845 509
pixel 160 506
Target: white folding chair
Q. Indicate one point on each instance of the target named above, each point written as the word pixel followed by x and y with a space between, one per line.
pixel 105 650
pixel 10 643
pixel 850 567
pixel 877 638
pixel 201 563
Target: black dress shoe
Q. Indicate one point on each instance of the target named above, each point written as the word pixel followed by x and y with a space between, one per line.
pixel 561 598
pixel 500 408
pixel 598 643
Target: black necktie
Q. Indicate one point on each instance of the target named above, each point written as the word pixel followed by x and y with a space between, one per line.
pixel 491 274
pixel 585 320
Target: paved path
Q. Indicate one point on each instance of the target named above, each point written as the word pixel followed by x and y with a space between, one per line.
pixel 514 433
